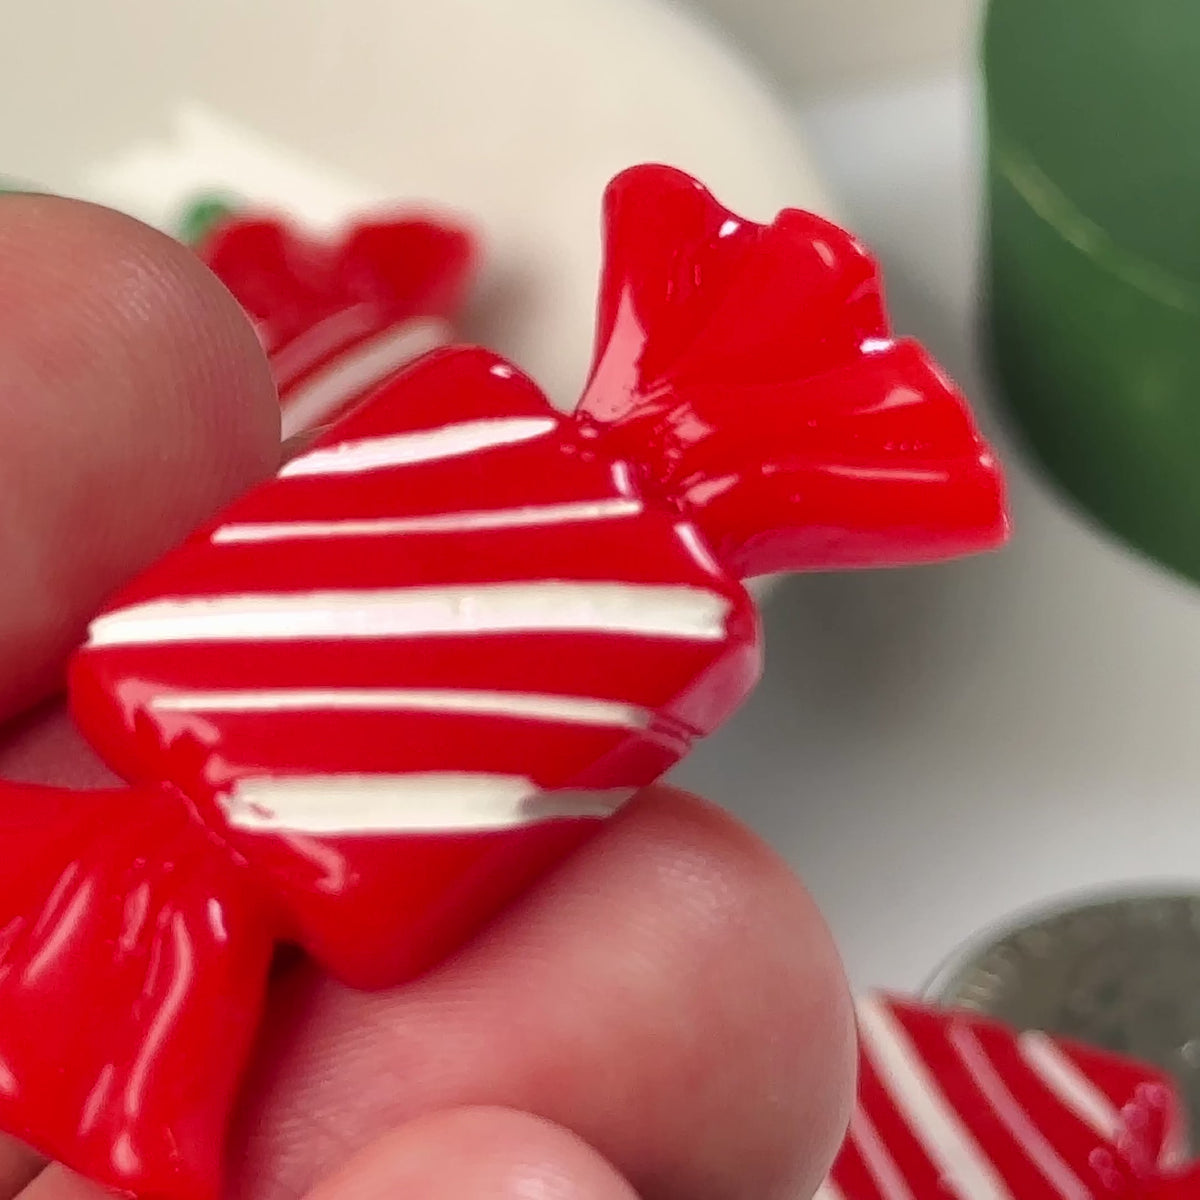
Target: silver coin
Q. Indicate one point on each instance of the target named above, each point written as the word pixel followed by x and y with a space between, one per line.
pixel 1122 974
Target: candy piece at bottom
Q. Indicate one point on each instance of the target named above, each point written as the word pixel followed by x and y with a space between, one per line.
pixel 955 1105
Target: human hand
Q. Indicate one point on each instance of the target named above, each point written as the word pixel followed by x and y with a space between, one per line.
pixel 664 1016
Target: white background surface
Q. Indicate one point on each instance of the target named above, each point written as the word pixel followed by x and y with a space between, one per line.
pixel 830 45
pixel 935 749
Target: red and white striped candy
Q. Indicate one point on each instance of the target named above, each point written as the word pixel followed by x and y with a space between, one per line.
pixel 338 318
pixel 952 1106
pixel 447 620
pixel 414 670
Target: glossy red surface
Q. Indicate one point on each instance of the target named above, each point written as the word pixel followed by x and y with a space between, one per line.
pixel 953 1105
pixel 756 379
pixel 133 963
pixel 416 703
pixel 384 692
pixel 338 316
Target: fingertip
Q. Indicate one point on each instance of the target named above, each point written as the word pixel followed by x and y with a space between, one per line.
pixel 84 289
pixel 732 892
pixel 472 1152
pixel 134 401
pixel 670 993
pixel 56 1182
pixel 19 1166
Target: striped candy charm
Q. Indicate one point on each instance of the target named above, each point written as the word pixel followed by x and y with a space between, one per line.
pixel 951 1105
pixel 447 619
pixel 385 691
pixel 337 318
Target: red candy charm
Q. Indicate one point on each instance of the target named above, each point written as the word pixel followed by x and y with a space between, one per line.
pixel 337 318
pixel 951 1105
pixel 384 692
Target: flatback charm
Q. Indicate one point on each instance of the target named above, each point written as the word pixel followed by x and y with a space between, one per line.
pixel 387 690
pixel 338 316
pixel 951 1104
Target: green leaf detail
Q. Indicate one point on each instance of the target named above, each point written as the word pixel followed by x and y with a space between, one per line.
pixel 203 215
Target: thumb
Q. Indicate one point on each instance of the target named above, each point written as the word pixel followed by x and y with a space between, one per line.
pixel 472 1152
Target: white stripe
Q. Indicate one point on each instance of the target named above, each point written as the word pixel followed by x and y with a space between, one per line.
pixel 425 445
pixel 1071 1085
pixel 571 710
pixel 430 802
pixel 829 1191
pixel 880 1164
pixel 318 340
pixel 930 1116
pixel 684 613
pixel 367 364
pixel 498 518
pixel 1012 1114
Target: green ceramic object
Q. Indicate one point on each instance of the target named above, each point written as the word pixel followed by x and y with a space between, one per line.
pixel 1094 251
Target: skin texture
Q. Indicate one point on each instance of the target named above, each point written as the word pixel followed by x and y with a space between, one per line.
pixel 665 1016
